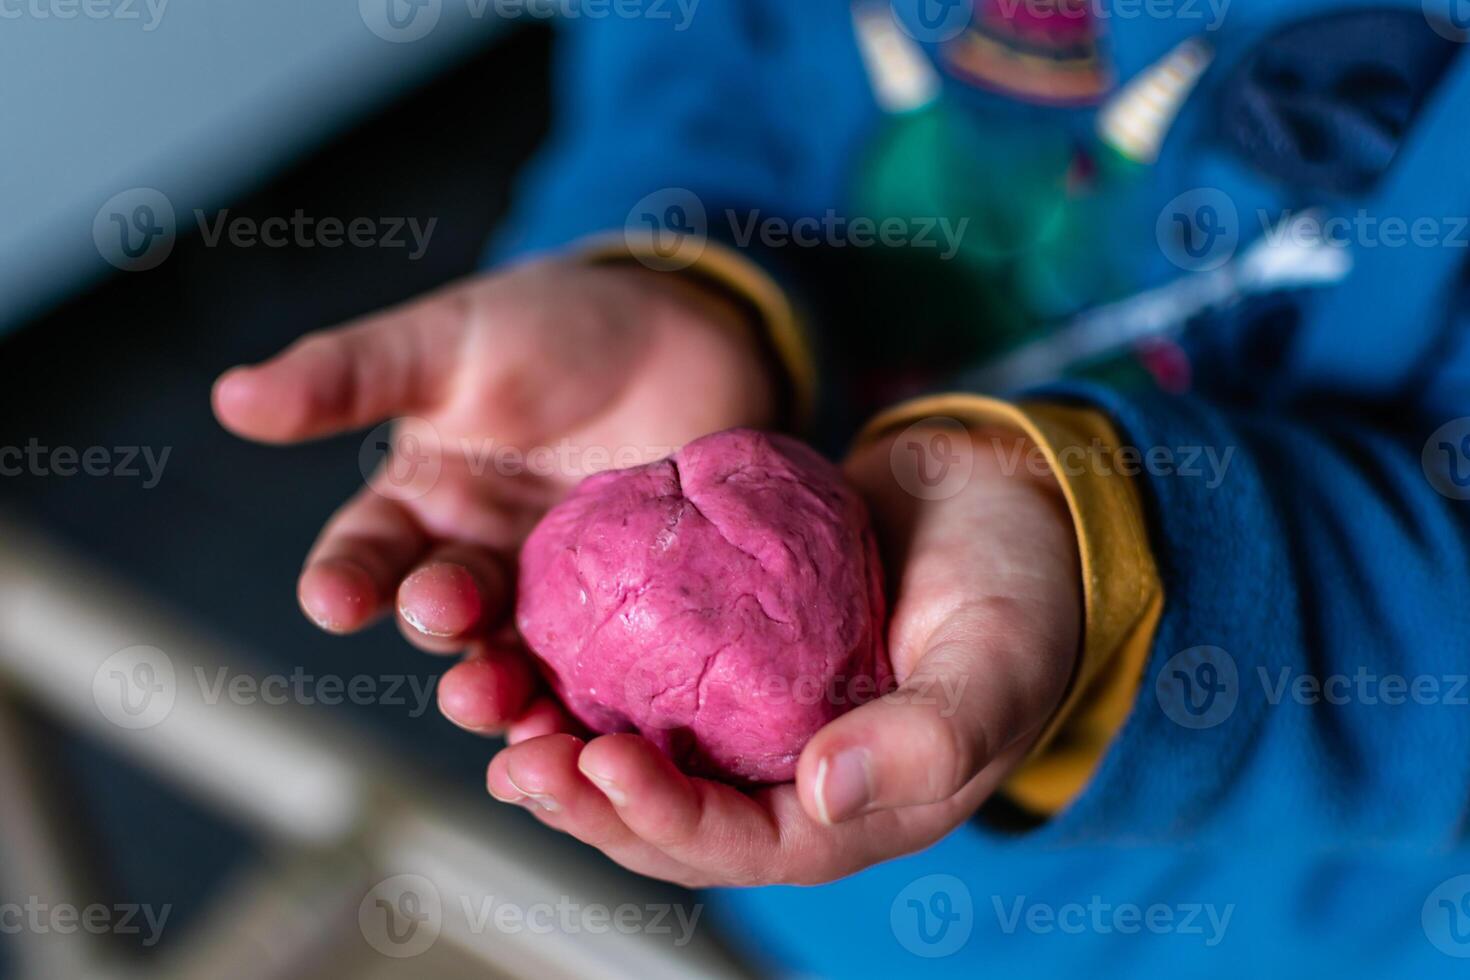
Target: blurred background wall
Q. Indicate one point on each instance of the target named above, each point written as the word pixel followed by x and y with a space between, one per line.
pixel 264 108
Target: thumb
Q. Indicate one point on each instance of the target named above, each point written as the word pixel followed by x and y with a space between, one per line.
pixel 392 363
pixel 983 684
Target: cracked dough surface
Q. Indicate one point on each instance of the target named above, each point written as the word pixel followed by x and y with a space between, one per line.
pixel 725 602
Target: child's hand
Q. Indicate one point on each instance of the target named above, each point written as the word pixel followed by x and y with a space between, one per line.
pixel 984 637
pixel 595 363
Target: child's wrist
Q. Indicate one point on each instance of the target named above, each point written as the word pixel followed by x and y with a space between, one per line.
pixel 729 277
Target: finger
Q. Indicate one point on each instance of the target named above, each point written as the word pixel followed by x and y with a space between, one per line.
pixel 459 591
pixel 542 776
pixel 354 568
pixel 765 837
pixel 392 363
pixel 487 690
pixel 544 716
pixel 706 825
pixel 979 687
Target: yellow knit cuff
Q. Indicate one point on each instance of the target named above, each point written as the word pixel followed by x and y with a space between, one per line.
pixel 1122 595
pixel 728 269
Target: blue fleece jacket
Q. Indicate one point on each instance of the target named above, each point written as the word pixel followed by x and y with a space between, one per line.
pixel 1289 795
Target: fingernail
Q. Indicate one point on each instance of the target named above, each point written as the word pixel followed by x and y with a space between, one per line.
pixel 412 618
pixel 505 799
pixel 440 600
pixel 334 604
pixel 844 785
pixel 610 789
pixel 230 387
pixel 530 800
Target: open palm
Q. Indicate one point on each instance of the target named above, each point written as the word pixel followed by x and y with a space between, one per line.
pixel 511 387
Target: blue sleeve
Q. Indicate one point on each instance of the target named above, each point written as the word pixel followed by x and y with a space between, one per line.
pixel 751 105
pixel 1309 509
pixel 1309 674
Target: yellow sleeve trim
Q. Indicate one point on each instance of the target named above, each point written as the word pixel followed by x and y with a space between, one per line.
pixel 730 270
pixel 1123 598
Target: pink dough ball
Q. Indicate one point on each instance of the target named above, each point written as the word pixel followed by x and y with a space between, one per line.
pixel 726 603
